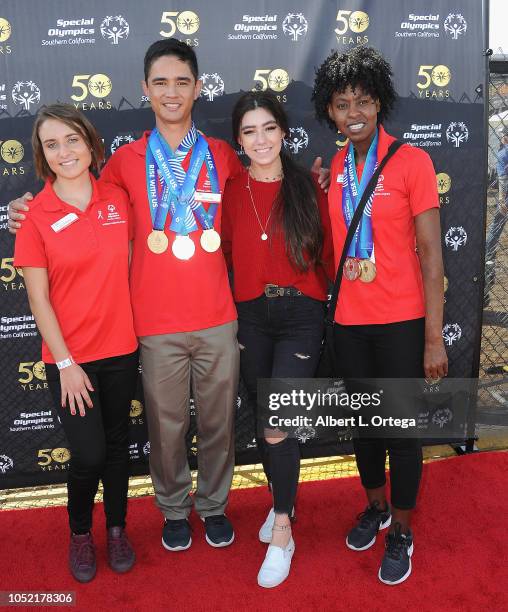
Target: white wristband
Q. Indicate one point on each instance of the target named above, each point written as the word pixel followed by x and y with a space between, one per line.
pixel 65 363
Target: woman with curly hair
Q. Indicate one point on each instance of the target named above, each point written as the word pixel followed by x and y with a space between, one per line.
pixel 388 319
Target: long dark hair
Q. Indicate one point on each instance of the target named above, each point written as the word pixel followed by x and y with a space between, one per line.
pixel 296 209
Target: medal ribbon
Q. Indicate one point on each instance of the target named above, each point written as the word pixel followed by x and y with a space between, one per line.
pixel 362 245
pixel 179 186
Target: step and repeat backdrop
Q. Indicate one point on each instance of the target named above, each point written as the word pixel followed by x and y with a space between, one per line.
pixel 91 55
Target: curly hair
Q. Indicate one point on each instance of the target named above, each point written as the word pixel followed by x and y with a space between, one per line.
pixel 362 67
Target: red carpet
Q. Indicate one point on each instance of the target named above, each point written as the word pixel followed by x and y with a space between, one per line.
pixel 460 560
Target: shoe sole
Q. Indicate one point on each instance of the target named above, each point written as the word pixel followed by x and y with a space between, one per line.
pixel 176 548
pixel 406 575
pixel 220 544
pixel 384 525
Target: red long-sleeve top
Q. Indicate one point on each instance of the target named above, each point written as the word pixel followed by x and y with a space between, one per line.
pixel 257 262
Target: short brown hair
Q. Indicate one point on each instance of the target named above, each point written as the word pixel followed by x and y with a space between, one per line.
pixel 66 113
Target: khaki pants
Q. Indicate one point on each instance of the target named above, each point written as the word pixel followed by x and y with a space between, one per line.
pixel 210 359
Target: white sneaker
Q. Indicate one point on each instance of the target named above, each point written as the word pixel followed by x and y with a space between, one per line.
pixel 275 568
pixel 265 532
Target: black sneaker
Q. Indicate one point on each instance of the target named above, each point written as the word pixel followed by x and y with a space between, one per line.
pixel 219 531
pixel 396 564
pixel 371 520
pixel 176 534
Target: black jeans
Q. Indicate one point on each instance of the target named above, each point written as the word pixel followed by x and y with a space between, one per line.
pixel 393 350
pixel 99 442
pixel 279 338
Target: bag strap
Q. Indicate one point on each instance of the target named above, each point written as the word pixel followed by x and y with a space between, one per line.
pixel 354 224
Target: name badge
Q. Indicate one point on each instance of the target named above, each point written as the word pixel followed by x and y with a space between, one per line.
pixel 64 222
pixel 206 196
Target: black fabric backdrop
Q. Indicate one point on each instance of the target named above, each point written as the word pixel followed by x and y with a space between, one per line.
pixel 90 54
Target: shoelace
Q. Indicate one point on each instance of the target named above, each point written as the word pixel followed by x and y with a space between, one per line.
pixel 119 546
pixel 84 552
pixel 395 543
pixel 216 521
pixel 367 516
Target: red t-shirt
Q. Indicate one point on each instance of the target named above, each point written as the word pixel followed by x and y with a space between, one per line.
pixel 406 188
pixel 170 295
pixel 88 270
pixel 257 262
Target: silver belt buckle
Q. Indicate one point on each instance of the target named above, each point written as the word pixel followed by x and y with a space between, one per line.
pixel 272 291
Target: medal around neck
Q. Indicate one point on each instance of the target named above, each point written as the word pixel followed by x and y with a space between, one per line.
pixel 183 248
pixel 367 270
pixel 210 240
pixel 157 241
pixel 351 269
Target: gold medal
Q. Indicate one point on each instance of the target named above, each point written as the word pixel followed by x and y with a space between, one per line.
pixel 367 270
pixel 157 241
pixel 351 269
pixel 210 240
pixel 183 247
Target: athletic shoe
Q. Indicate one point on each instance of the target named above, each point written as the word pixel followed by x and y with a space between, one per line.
pixel 396 564
pixel 121 556
pixel 176 534
pixel 371 520
pixel 265 532
pixel 218 531
pixel 275 567
pixel 82 557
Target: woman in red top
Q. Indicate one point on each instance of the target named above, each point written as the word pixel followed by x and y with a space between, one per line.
pixel 390 309
pixel 276 234
pixel 73 249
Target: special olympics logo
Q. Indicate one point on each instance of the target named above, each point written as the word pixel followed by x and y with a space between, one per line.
pixel 455 24
pixel 297 140
pixel 26 93
pixel 457 133
pixel 213 86
pixel 442 416
pixel 146 449
pixel 114 29
pixel 305 433
pixel 295 25
pixel 5 29
pixel 455 237
pixel 187 22
pixel 6 463
pixel 444 183
pixel 12 151
pixel 99 85
pixel 451 333
pixel 118 141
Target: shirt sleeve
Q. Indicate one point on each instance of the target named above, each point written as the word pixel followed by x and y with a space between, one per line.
pixel 29 250
pixel 111 171
pixel 228 200
pixel 421 182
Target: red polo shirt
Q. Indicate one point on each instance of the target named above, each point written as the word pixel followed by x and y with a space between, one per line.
pixel 88 270
pixel 170 295
pixel 406 188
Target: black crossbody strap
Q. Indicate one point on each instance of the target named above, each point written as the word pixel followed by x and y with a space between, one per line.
pixel 354 224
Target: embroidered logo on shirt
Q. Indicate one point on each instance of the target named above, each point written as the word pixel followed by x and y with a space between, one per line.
pixel 111 216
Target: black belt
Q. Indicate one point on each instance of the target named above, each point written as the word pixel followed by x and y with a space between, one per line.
pixel 272 291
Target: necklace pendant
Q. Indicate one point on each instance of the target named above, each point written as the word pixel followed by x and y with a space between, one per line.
pixel 264 236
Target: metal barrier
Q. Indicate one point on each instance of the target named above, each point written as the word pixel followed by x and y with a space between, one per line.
pixel 493 388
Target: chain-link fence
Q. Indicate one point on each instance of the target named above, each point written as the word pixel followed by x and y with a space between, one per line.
pixel 493 395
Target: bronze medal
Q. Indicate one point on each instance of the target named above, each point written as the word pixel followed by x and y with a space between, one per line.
pixel 210 240
pixel 183 247
pixel 351 269
pixel 367 270
pixel 157 241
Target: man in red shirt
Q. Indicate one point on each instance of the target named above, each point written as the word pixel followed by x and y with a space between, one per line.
pixel 184 313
